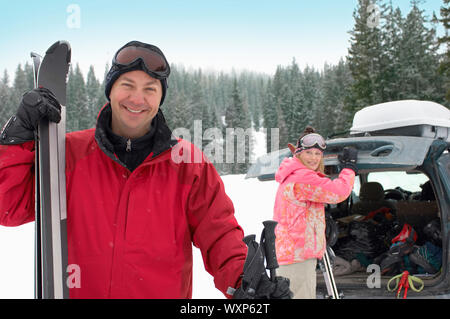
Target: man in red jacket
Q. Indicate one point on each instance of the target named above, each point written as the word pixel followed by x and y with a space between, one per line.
pixel 132 211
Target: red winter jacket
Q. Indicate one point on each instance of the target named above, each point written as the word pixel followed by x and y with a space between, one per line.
pixel 131 233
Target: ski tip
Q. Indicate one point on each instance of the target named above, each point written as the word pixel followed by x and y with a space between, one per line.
pixel 58 44
pixel 34 55
pixel 69 55
pixel 69 49
pixel 52 48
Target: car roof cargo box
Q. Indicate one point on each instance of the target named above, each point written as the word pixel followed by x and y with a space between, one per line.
pixel 406 118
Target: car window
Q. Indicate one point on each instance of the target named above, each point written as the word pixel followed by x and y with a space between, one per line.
pixel 356 188
pixel 390 180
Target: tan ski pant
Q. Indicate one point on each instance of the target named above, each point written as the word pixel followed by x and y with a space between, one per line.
pixel 302 278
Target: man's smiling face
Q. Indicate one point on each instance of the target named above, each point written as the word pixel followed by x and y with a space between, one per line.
pixel 135 98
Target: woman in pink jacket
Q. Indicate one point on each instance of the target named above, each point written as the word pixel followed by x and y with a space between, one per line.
pixel 299 208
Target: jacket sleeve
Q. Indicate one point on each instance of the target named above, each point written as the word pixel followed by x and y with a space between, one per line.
pixel 215 229
pixel 317 188
pixel 17 179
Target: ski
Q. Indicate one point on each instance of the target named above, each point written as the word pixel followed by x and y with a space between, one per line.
pixel 36 63
pixel 37 239
pixel 51 258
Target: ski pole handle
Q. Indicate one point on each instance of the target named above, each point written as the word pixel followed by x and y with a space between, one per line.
pixel 269 247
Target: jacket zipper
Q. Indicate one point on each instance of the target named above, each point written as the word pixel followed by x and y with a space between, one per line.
pixel 128 145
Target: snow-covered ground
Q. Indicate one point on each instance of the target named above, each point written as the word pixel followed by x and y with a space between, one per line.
pixel 17 261
pixel 253 201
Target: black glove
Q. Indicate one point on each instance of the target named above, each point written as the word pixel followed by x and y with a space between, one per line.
pixel 278 289
pixel 35 105
pixel 267 289
pixel 255 282
pixel 348 158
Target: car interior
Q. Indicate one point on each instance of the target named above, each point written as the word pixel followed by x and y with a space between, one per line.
pixel 392 221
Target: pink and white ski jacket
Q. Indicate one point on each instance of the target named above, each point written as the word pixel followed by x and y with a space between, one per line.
pixel 299 209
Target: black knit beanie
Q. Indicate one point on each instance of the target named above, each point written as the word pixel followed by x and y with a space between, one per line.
pixel 114 73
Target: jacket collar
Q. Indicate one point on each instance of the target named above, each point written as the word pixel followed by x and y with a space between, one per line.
pixel 160 135
pixel 289 166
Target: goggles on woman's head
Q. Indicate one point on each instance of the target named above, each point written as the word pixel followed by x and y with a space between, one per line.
pixel 312 140
pixel 152 59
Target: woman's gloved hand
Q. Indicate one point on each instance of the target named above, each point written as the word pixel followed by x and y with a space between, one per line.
pixel 348 158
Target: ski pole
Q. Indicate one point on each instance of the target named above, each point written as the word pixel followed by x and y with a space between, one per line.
pixel 269 247
pixel 329 277
pixel 253 268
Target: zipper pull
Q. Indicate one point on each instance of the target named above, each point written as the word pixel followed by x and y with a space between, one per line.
pixel 128 145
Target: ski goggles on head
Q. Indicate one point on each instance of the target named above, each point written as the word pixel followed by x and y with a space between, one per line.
pixel 312 140
pixel 150 56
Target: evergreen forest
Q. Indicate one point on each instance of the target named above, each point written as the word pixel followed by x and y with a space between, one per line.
pixel 398 56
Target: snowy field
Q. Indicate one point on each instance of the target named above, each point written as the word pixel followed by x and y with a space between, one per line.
pixel 17 251
pixel 253 201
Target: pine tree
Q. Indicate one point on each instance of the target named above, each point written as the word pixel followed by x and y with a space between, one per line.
pixel 20 86
pixel 176 110
pixel 7 107
pixel 261 89
pixel 76 101
pixel 101 99
pixel 310 87
pixel 92 92
pixel 224 87
pixel 29 74
pixel 5 78
pixel 283 129
pixel 196 99
pixel 364 56
pixel 295 122
pixel 251 84
pixel 21 83
pixel 418 57
pixel 269 114
pixel 388 77
pixel 285 111
pixel 210 92
pixel 444 66
pixel 201 111
pixel 238 124
pixel 277 104
pixel 343 82
pixel 335 86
